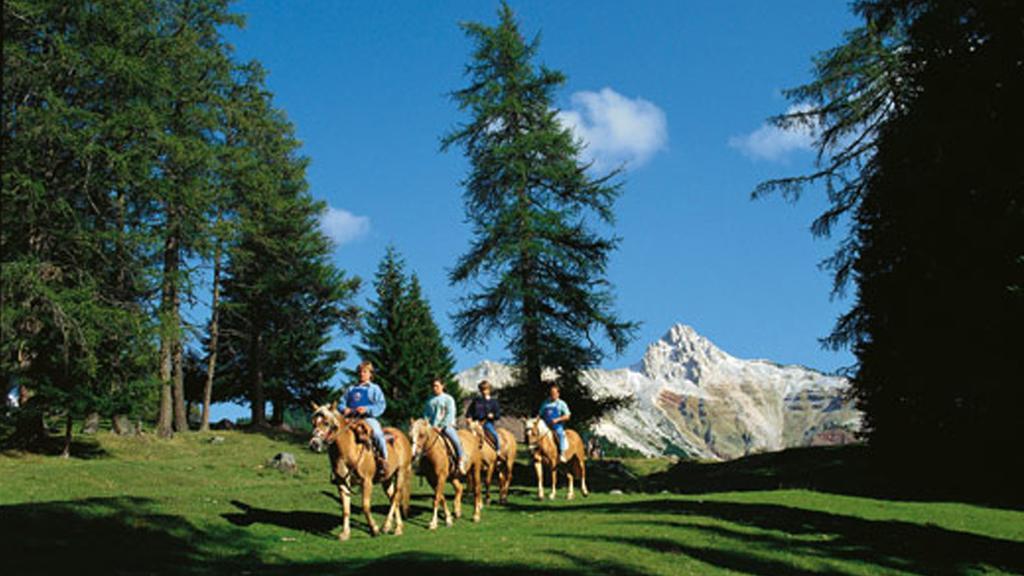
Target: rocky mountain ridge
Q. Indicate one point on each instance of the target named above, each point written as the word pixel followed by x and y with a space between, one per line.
pixel 693 399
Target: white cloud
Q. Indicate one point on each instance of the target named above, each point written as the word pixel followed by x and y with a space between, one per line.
pixel 769 142
pixel 616 129
pixel 342 226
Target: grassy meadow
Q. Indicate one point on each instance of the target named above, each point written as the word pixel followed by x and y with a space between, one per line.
pixel 137 505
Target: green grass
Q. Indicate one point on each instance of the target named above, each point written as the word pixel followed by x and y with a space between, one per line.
pixel 188 506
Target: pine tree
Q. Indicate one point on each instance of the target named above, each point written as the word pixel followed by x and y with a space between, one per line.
pixel 540 267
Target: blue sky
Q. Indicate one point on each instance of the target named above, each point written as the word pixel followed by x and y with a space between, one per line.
pixel 678 90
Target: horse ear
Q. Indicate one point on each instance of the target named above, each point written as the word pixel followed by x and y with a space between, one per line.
pixel 334 406
pixel 314 405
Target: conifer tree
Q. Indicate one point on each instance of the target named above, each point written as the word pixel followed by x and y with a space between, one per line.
pixel 538 263
pixel 404 343
pixel 914 114
pixel 77 87
pixel 282 300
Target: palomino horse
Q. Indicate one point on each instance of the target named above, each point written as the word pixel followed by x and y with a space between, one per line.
pixel 353 461
pixel 428 444
pixel 544 448
pixel 492 461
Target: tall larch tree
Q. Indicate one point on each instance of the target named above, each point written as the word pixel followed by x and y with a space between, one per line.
pixel 77 151
pixel 536 264
pixel 916 113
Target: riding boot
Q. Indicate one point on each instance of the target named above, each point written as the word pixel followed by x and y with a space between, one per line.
pixel 382 468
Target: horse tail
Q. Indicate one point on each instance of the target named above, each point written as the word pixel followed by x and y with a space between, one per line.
pixel 406 490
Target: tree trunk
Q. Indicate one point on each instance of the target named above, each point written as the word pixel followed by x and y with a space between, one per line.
pixel 180 414
pixel 277 418
pixel 66 453
pixel 169 332
pixel 211 367
pixel 259 401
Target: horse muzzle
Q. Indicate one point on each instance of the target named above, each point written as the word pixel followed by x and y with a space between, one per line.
pixel 317 444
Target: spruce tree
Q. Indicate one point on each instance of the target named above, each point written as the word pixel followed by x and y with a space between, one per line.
pixel 404 343
pixel 538 265
pixel 282 300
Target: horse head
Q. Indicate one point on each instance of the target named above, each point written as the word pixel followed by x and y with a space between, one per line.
pixel 535 429
pixel 418 430
pixel 326 424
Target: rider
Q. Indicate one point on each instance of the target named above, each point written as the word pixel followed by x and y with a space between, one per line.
pixel 440 413
pixel 366 400
pixel 486 410
pixel 555 411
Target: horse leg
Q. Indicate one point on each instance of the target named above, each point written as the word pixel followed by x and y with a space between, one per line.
pixel 458 497
pixel 391 490
pixel 400 479
pixel 539 468
pixel 438 501
pixel 571 479
pixel 581 471
pixel 447 516
pixel 490 478
pixel 367 510
pixel 346 510
pixel 554 478
pixel 477 499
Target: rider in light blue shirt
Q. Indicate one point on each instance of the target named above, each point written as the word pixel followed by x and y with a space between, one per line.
pixel 440 413
pixel 555 413
pixel 366 400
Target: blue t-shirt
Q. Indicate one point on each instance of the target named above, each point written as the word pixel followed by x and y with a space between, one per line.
pixel 367 395
pixel 440 410
pixel 552 409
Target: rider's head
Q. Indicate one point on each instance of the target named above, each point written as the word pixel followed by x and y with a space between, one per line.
pixel 437 386
pixel 484 387
pixel 365 371
pixel 554 392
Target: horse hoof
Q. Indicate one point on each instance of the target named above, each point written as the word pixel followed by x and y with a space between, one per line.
pixel 448 522
pixel 552 497
pixel 344 536
pixel 570 496
pixel 432 526
pixel 476 518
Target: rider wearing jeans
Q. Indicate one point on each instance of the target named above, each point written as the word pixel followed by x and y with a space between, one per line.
pixel 440 413
pixel 555 412
pixel 485 409
pixel 366 400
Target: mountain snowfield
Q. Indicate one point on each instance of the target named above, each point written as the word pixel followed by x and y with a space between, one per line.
pixel 691 398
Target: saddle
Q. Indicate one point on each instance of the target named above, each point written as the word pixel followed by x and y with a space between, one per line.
pixel 453 455
pixel 364 436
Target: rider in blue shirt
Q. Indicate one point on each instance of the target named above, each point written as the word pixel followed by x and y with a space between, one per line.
pixel 486 410
pixel 366 400
pixel 440 413
pixel 555 412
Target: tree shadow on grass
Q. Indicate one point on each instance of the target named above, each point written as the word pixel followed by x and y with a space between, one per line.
pixel 847 470
pixel 888 544
pixel 126 536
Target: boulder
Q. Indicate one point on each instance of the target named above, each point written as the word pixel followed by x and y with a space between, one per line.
pixel 283 461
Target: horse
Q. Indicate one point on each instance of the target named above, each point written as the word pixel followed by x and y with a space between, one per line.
pixel 348 442
pixel 428 447
pixel 544 450
pixel 492 461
